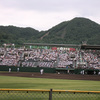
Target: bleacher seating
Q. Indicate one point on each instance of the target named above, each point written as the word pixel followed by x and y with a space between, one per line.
pixel 48 58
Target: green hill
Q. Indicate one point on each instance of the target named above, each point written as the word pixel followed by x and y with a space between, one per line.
pixel 71 32
pixel 74 31
pixel 17 35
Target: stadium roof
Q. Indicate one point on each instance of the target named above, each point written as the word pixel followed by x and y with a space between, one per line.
pixel 57 45
pixel 92 47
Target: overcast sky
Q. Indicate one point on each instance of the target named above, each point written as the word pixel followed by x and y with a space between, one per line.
pixel 44 14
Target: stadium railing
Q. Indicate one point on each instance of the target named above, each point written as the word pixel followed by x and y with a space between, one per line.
pixel 36 94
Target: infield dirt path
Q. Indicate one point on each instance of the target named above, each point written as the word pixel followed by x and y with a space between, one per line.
pixel 52 76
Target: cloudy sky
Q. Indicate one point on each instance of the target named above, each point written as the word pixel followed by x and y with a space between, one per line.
pixel 44 14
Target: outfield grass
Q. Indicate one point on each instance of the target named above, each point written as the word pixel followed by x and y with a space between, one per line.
pixel 42 83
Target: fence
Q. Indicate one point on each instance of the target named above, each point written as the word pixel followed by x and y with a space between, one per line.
pixel 28 94
pixel 27 69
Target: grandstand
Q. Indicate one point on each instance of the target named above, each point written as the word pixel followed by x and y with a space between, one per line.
pixel 64 57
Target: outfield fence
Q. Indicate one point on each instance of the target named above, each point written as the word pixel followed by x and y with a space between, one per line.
pixel 30 94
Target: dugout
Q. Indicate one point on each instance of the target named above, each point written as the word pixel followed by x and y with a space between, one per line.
pixel 64 71
pixel 92 71
pixel 87 71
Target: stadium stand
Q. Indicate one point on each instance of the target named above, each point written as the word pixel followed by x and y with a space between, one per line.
pixel 51 58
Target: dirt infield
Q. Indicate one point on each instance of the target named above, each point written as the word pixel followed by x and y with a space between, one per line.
pixel 52 76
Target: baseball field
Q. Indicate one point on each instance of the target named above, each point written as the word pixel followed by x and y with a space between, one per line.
pixel 17 81
pixel 26 82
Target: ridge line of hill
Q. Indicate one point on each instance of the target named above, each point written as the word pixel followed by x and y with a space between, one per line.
pixel 68 32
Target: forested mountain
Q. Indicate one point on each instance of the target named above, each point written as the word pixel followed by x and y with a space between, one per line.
pixel 71 32
pixel 17 35
pixel 74 31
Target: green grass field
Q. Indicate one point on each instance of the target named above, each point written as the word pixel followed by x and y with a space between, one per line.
pixel 42 83
pixel 10 82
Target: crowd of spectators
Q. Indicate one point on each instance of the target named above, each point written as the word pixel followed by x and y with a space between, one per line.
pixel 49 58
pixel 9 57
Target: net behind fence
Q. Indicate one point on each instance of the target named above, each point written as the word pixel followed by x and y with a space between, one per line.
pixel 20 94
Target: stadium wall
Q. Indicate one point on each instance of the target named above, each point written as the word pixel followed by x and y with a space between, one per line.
pixel 49 70
pixel 27 69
